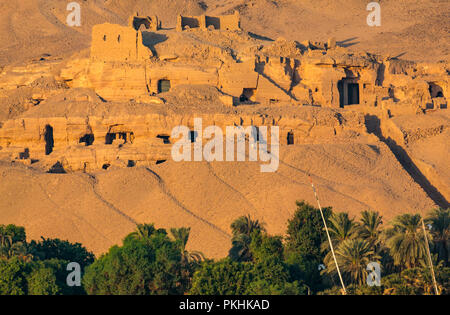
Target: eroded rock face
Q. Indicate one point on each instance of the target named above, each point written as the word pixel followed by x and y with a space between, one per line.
pixel 82 132
pixel 126 63
pixel 120 101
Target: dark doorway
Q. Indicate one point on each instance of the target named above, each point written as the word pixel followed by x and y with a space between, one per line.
pixel 191 22
pixel 165 138
pixel 256 135
pixel 290 138
pixel 25 154
pixel 348 92
pixel 110 137
pixel 87 139
pixel 126 136
pixel 246 95
pixel 341 94
pixel 435 90
pixel 193 135
pixel 243 98
pixel 57 168
pixel 49 142
pixel 163 86
pixel 214 21
pixel 353 93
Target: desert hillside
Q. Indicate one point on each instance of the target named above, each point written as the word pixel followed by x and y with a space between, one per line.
pixel 416 30
pixel 100 208
pixel 380 158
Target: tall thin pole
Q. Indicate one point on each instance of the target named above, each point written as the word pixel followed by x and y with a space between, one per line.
pixel 328 235
pixel 429 258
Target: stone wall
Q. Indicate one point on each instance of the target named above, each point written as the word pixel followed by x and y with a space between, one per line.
pixel 225 22
pixel 97 141
pixel 111 42
pixel 118 81
pixel 149 23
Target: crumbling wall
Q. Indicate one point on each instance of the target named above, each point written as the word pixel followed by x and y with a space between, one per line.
pixel 149 23
pixel 234 77
pixel 184 22
pixel 279 69
pixel 268 90
pixel 322 82
pixel 117 63
pixel 243 81
pixel 230 22
pixel 203 22
pixel 118 81
pixel 179 74
pixel 111 42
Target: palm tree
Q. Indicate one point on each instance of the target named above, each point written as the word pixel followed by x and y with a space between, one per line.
pixel 143 231
pixel 341 228
pixel 245 225
pixel 370 228
pixel 9 248
pixel 353 256
pixel 189 260
pixel 5 244
pixel 439 219
pixel 406 241
pixel 5 238
pixel 18 249
pixel 242 229
pixel 181 237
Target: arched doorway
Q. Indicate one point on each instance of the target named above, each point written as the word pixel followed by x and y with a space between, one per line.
pixel 435 90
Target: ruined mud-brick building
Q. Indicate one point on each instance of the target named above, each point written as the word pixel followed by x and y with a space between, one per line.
pixel 119 103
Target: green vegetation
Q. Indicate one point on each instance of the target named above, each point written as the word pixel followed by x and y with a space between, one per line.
pixel 255 266
pixel 37 268
pixel 148 264
pixel 153 261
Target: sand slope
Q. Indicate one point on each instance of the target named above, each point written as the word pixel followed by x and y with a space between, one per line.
pixel 99 209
